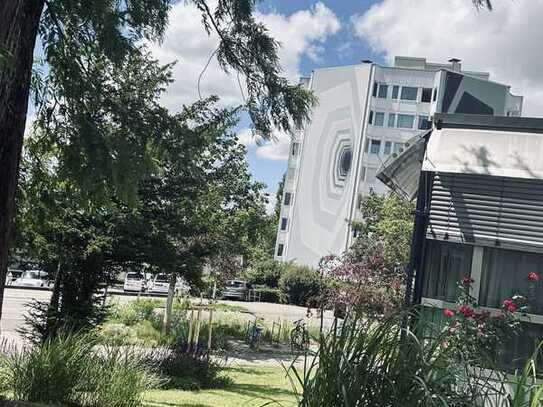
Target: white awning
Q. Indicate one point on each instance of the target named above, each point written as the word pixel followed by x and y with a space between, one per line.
pixel 486 152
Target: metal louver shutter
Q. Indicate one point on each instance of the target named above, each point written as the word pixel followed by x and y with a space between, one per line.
pixel 487 210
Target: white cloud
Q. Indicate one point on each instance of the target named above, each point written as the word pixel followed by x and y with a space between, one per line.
pixel 277 149
pixel 506 42
pixel 187 42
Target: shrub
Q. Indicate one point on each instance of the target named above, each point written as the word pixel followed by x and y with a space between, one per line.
pixel 67 370
pixel 299 285
pixel 266 272
pixel 267 294
pixel 135 311
pixel 187 370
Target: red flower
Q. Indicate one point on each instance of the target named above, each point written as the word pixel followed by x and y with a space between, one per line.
pixel 533 276
pixel 509 305
pixel 448 313
pixel 467 281
pixel 466 311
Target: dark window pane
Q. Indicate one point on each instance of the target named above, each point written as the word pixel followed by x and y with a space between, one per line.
pixel 424 123
pixel 405 121
pixel 370 120
pixel 395 91
pixel 375 90
pixel 409 93
pixel 388 147
pixel 435 95
pixel 383 90
pixel 505 274
pixel 288 197
pixel 446 263
pixel 391 120
pixel 375 146
pixel 280 248
pixel 426 95
pixel 284 222
pixel 379 119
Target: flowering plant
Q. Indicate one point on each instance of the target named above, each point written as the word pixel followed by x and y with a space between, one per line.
pixel 474 333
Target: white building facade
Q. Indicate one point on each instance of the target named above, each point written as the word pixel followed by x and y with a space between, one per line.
pixel 366 114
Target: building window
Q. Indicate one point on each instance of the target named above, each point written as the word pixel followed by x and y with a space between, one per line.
pixel 379 119
pixel 446 264
pixel 398 148
pixel 424 123
pixel 395 91
pixel 280 248
pixel 434 97
pixel 370 120
pixel 388 147
pixel 392 120
pixel 295 149
pixel 284 222
pixel 426 96
pixel 409 93
pixel 345 162
pixel 375 85
pixel 375 147
pixel 383 91
pixel 367 145
pixel 405 121
pixel 287 199
pixel 505 274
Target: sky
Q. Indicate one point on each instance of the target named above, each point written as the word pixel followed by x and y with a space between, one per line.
pixel 505 42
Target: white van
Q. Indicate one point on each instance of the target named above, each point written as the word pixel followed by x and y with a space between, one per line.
pixel 134 281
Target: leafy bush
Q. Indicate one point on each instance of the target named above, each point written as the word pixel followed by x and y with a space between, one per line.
pixel 299 285
pixel 187 370
pixel 267 294
pixel 266 272
pixel 135 311
pixel 68 370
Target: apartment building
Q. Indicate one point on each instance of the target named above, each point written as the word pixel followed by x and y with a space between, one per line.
pixel 366 115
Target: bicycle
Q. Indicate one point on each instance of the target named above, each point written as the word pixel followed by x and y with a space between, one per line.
pixel 299 337
pixel 254 333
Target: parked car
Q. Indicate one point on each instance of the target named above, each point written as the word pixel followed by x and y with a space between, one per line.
pixel 134 281
pixel 32 278
pixel 13 275
pixel 159 284
pixel 236 290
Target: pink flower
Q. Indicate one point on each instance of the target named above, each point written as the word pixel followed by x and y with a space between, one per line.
pixel 466 311
pixel 509 305
pixel 448 313
pixel 533 276
pixel 467 281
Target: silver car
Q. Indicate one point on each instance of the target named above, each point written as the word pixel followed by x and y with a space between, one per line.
pixel 161 282
pixel 236 290
pixel 33 278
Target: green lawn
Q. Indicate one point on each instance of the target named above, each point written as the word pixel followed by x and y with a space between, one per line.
pixel 252 387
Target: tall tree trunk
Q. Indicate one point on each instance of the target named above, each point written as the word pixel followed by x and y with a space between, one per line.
pixel 19 21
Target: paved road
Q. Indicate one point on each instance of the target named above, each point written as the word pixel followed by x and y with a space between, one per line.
pixel 15 300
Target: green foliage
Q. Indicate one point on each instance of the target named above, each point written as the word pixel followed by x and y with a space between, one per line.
pixel 135 311
pixel 267 294
pixel 188 371
pixel 265 271
pixel 381 364
pixel 68 370
pixel 387 218
pixel 299 285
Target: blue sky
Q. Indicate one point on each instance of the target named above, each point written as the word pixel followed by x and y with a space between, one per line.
pixel 339 48
pixel 320 33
